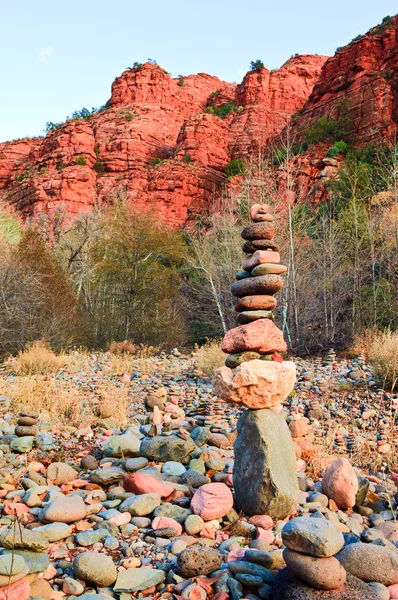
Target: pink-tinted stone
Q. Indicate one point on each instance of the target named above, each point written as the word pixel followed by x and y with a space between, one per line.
pixel 340 483
pixel 262 336
pixel 237 554
pixel 208 533
pixel 256 208
pixel 393 589
pixel 263 521
pixel 261 257
pixel 212 501
pixel 267 536
pixel 121 519
pixel 301 466
pixel 255 384
pixel 299 428
pixel 15 508
pixel 157 417
pixel 20 590
pixel 166 522
pixel 139 483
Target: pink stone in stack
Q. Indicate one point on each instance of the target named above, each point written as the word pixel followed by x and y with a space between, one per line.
pixel 256 383
pixel 261 336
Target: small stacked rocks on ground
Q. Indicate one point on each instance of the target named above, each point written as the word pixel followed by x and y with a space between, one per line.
pixel 256 376
pixel 25 430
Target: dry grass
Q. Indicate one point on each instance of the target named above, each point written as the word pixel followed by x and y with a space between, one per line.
pixel 383 356
pixel 211 357
pixel 37 359
pixel 60 402
pixel 54 400
pixel 128 348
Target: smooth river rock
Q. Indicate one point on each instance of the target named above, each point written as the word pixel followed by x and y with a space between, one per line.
pixel 265 470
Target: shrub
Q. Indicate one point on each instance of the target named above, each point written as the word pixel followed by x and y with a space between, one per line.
pixel 155 163
pixel 211 357
pixel 330 128
pixel 99 167
pixel 136 67
pixel 187 158
pixel 235 167
pixel 10 228
pixel 23 177
pixel 222 111
pixel 37 359
pixel 387 74
pixel 256 65
pixel 181 80
pixel 383 356
pixel 50 126
pixel 340 147
pixel 355 39
pixel 84 114
pixel 121 348
pixel 81 160
pixel 382 27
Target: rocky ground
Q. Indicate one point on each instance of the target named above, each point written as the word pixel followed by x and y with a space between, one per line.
pixel 125 486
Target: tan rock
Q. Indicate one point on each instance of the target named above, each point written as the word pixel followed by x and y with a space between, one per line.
pixel 255 384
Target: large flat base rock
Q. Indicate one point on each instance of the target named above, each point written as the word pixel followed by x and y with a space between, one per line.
pixel 288 587
pixel 265 470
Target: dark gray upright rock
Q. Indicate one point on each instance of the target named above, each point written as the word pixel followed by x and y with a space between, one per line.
pixel 265 471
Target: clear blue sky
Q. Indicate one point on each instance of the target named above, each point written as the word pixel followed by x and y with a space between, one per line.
pixel 58 56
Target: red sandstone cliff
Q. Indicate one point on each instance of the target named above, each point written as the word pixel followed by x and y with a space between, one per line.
pixel 155 142
pixel 158 142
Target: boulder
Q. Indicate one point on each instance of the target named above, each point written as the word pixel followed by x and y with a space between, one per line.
pixel 140 483
pixel 256 383
pixel 198 560
pixel 95 568
pixel 60 473
pixel 265 471
pixel 370 562
pixel 212 501
pixel 320 573
pixel 316 537
pixel 340 483
pixel 166 448
pixel 288 587
pixel 64 509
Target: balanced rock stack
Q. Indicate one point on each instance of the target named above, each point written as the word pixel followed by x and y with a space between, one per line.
pixel 257 377
pixel 309 554
pixel 25 431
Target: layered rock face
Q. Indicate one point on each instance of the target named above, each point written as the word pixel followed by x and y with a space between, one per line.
pixel 360 80
pixel 155 142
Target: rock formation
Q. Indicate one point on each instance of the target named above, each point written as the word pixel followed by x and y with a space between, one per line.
pixel 162 141
pixel 255 375
pixel 159 141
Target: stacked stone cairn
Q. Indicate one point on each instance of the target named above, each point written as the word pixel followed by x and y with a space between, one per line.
pixel 25 431
pixel 257 377
pixel 311 545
